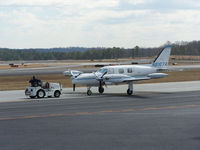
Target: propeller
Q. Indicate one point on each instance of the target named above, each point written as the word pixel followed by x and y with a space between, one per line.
pixel 100 79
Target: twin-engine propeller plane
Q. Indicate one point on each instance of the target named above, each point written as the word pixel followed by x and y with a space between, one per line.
pixel 119 74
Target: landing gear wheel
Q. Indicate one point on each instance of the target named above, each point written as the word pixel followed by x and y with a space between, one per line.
pixel 89 92
pixel 129 92
pixel 57 93
pixel 101 90
pixel 40 94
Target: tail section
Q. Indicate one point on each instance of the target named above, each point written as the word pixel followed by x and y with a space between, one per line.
pixel 161 62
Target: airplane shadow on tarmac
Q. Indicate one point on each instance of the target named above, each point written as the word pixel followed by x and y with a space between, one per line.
pixel 140 95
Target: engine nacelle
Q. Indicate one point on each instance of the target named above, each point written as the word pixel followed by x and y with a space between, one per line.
pixel 157 75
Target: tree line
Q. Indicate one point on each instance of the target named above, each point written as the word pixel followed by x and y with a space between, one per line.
pixel 178 48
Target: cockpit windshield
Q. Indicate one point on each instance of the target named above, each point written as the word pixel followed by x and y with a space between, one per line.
pixel 102 70
pixel 107 70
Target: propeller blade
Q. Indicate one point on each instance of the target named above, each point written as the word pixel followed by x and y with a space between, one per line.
pixel 100 78
pixel 104 74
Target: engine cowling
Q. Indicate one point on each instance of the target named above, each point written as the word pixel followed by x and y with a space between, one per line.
pixel 157 75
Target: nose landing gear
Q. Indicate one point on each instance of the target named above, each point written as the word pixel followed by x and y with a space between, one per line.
pixel 101 90
pixel 130 88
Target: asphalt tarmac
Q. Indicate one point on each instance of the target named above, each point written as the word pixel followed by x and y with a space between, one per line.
pixel 144 121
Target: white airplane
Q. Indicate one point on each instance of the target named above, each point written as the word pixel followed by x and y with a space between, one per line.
pixel 120 74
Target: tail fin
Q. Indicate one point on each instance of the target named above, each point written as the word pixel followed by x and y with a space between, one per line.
pixel 161 62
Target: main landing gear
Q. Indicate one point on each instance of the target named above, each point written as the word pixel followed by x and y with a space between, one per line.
pixel 130 88
pixel 101 89
pixel 89 92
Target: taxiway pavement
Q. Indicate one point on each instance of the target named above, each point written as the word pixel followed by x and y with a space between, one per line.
pixel 170 87
pixel 149 120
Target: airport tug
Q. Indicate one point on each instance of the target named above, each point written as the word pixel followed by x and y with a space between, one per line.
pixel 40 89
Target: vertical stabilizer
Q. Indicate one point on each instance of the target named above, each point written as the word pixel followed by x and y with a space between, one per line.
pixel 161 62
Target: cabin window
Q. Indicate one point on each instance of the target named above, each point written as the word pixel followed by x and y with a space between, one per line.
pixel 121 70
pixel 129 70
pixel 110 71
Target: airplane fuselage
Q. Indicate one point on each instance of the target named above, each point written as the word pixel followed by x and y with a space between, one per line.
pixel 114 74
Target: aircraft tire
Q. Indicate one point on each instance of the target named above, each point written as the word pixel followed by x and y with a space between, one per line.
pixel 89 92
pixel 129 92
pixel 101 90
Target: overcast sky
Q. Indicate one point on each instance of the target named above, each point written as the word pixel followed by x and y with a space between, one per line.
pixel 94 23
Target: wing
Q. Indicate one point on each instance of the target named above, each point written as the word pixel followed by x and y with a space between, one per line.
pixel 120 78
pixel 148 77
